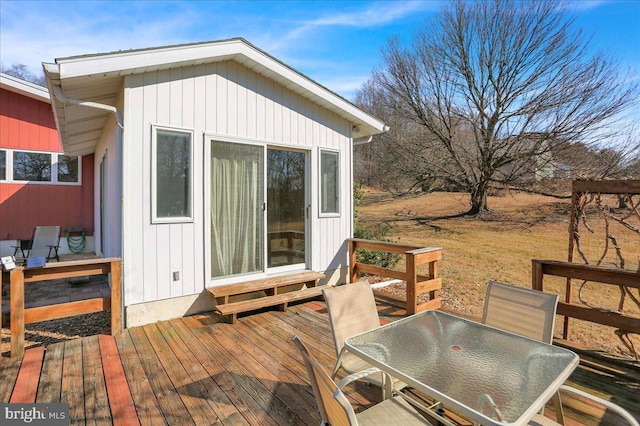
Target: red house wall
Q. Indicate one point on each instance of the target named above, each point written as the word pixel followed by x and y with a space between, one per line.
pixel 28 124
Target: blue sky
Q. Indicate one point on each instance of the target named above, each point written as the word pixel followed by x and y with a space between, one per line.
pixel 336 43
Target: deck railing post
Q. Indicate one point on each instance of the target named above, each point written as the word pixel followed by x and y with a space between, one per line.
pixel 536 275
pixel 411 279
pixel 16 310
pixel 353 277
pixel 116 296
pixel 433 274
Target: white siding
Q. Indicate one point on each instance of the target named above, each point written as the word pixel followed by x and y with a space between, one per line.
pixel 229 100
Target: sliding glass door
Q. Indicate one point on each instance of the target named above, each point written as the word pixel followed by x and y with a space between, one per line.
pixel 252 187
pixel 286 208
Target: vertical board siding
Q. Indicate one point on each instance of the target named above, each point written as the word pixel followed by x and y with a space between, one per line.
pixel 134 224
pixel 28 124
pixel 228 99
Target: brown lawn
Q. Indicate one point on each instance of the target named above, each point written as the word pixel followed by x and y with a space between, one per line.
pixel 500 246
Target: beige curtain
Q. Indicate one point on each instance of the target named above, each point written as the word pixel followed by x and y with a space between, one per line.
pixel 237 216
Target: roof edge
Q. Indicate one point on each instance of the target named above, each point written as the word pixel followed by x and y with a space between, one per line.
pixel 23 87
pixel 142 60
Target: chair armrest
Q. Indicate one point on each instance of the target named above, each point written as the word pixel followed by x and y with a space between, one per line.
pixel 608 404
pixel 359 375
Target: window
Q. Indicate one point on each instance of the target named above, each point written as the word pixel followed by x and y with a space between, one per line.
pixel 329 182
pixel 38 167
pixel 172 175
pixel 3 165
pixel 32 166
pixel 67 169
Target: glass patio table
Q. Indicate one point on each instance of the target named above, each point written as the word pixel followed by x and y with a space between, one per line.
pixel 489 375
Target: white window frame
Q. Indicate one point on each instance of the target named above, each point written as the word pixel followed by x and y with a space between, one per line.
pixel 54 168
pixel 154 175
pixel 338 184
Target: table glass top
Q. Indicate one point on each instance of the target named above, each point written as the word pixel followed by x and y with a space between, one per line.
pixel 465 360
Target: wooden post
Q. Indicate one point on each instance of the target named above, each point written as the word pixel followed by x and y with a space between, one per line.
pixel 16 306
pixel 116 297
pixel 536 275
pixel 433 274
pixel 412 279
pixel 353 277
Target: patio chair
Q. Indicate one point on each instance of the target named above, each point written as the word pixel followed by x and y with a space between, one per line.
pixel 619 417
pixel 529 313
pixel 44 243
pixel 532 313
pixel 334 407
pixel 352 310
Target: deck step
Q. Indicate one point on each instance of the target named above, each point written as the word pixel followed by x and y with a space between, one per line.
pixel 264 302
pixel 231 310
pixel 310 278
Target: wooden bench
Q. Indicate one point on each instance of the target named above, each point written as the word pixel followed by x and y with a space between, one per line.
pixel 272 287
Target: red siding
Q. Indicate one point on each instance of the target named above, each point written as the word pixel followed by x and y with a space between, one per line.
pixel 28 124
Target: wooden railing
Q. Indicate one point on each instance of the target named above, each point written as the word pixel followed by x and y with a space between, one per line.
pixel 20 316
pixel 606 276
pixel 414 257
pixel 289 250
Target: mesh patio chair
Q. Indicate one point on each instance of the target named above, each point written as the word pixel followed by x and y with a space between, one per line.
pixel 352 310
pixel 532 314
pixel 334 407
pixel 44 243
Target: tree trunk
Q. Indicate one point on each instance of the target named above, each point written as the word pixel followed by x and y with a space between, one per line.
pixel 479 201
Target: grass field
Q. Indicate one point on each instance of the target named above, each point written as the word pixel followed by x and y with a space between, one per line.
pixel 499 246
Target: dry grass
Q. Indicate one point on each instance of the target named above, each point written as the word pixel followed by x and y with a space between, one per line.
pixel 499 246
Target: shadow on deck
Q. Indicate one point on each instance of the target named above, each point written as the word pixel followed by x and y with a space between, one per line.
pixel 197 370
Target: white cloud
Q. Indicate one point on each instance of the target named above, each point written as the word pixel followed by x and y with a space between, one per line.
pixel 375 14
pixel 33 33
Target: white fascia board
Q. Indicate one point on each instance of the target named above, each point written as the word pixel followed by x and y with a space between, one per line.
pixel 130 62
pixel 25 88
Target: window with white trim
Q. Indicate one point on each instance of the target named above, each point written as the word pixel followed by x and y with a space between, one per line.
pixel 172 184
pixel 39 167
pixel 329 182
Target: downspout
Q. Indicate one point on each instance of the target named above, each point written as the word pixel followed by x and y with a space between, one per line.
pixel 119 142
pixel 67 100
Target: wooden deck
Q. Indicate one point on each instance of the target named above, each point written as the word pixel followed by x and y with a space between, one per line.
pixel 199 370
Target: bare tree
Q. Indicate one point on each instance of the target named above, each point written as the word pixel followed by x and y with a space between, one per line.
pixel 22 72
pixel 497 86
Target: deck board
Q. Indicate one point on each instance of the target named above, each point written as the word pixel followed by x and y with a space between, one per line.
pixel 144 398
pixel 10 368
pixel 114 384
pixel 198 370
pixel 50 386
pixel 72 390
pixel 96 400
pixel 28 377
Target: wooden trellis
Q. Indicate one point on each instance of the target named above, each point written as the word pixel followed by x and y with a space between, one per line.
pixel 597 196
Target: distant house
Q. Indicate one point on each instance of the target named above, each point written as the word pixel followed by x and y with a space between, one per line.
pixel 39 185
pixel 215 163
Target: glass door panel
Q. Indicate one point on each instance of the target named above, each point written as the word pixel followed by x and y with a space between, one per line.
pixel 237 209
pixel 286 208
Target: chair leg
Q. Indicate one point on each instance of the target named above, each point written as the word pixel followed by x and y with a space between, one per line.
pixel 338 364
pixel 557 405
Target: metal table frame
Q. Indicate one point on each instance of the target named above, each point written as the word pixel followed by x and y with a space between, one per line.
pixel 369 347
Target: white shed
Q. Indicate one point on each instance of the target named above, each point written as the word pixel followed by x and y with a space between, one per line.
pixel 214 163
